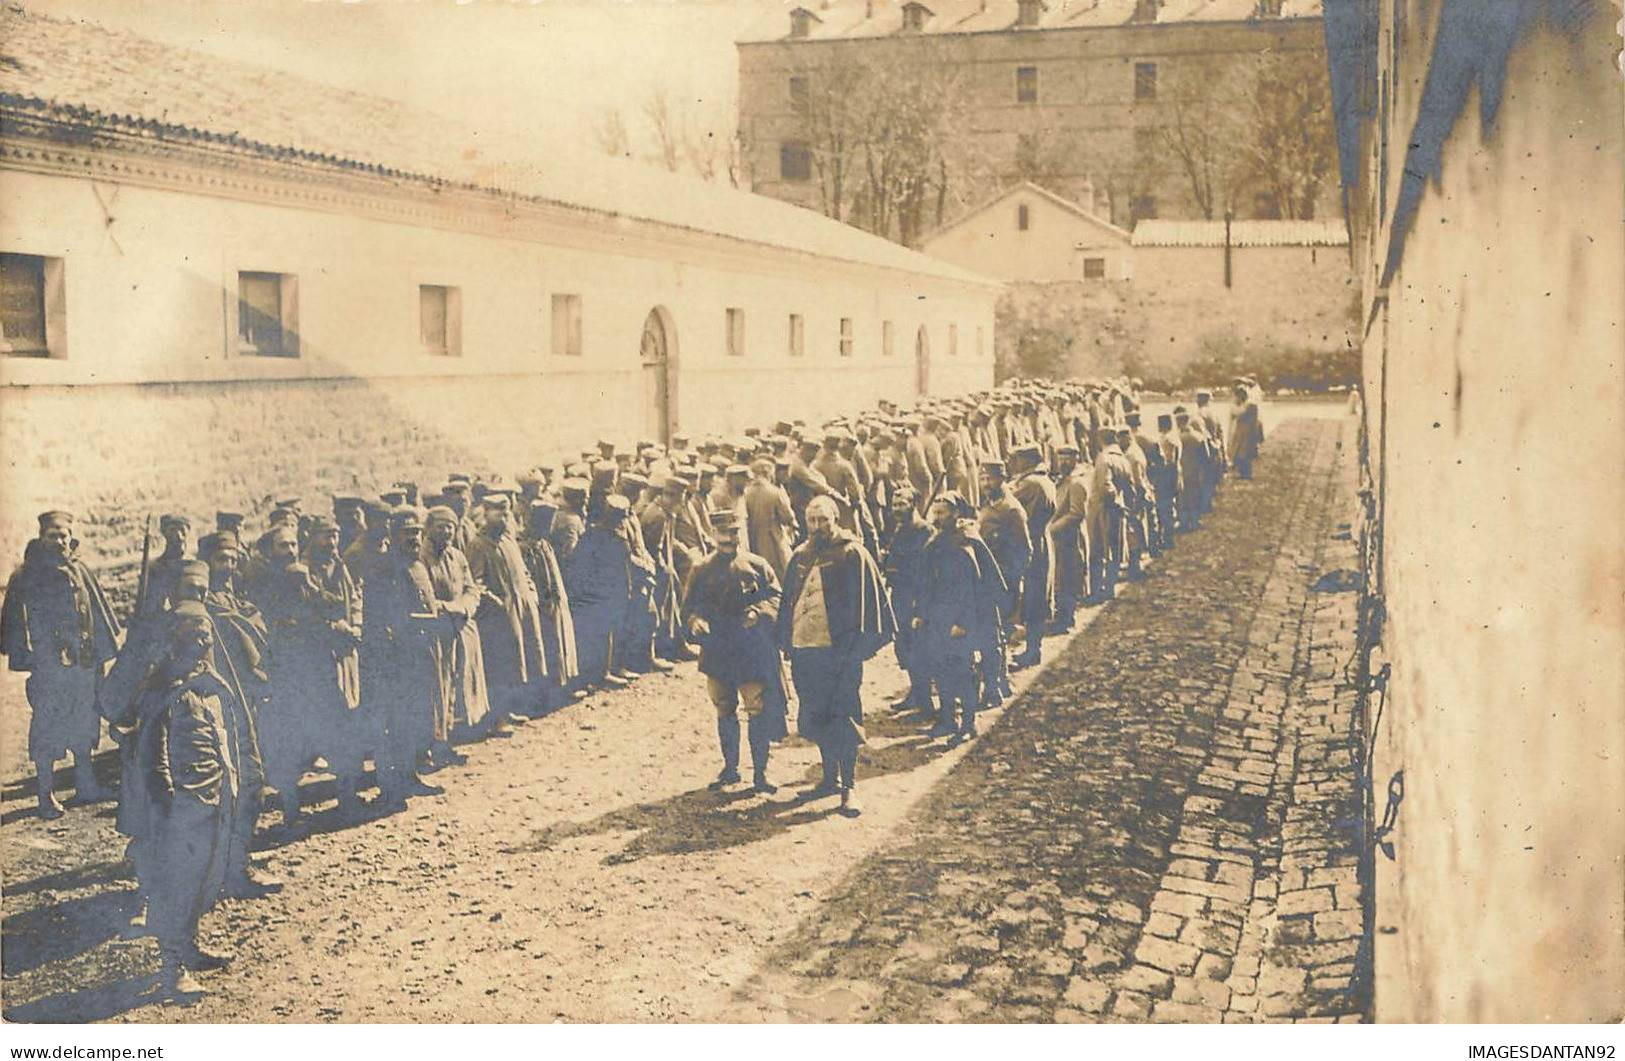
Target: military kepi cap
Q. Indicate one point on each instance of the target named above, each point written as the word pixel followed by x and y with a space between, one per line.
pixel 221 541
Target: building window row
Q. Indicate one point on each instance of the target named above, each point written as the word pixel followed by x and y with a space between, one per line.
pixel 1145 88
pixel 1026 84
pixel 33 313
pixel 795 160
pixel 796 336
pixel 32 318
pixel 1145 80
pixel 30 306
pixel 566 318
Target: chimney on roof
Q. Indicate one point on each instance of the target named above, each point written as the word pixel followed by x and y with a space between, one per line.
pixel 801 21
pixel 1027 12
pixel 868 9
pixel 1146 10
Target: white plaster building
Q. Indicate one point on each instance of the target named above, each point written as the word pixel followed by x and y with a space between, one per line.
pixel 1028 233
pixel 226 280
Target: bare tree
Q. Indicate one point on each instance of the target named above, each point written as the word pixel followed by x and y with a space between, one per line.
pixel 1200 131
pixel 710 144
pixel 610 134
pixel 828 105
pixel 886 140
pixel 1289 142
pixel 664 127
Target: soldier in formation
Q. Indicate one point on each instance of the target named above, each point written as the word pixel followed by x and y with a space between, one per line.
pixel 783 559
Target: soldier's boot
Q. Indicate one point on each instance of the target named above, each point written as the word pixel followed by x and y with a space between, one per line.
pixel 945 715
pixel 830 784
pixel 728 738
pixel 678 650
pixel 198 959
pixel 290 804
pixel 760 749
pixel 967 724
pixel 87 787
pixel 919 691
pixel 241 880
pixel 44 790
pixel 847 770
pixel 174 981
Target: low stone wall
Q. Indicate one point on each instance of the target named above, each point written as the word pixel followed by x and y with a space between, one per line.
pixel 1166 320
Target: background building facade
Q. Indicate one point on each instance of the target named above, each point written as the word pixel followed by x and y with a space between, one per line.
pixel 899 117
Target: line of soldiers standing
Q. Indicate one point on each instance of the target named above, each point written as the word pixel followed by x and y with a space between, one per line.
pixel 781 560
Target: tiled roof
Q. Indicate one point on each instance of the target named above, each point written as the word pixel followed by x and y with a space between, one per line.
pixel 840 19
pixel 1158 233
pixel 86 74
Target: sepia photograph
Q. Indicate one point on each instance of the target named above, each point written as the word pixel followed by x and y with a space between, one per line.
pixel 1042 513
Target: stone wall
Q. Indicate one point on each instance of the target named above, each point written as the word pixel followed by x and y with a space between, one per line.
pixel 1494 384
pixel 1177 310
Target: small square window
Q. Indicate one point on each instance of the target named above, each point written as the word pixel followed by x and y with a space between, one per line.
pixel 1023 218
pixel 736 331
pixel 846 336
pixel 1145 80
pixel 440 320
pixel 1026 84
pixel 795 161
pixel 31 311
pixel 267 312
pixel 566 324
pixel 888 341
pixel 1094 268
pixel 798 335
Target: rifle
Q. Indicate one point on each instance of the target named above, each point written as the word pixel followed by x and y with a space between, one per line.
pixel 146 554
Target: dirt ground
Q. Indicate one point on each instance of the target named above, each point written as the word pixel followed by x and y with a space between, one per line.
pixel 580 870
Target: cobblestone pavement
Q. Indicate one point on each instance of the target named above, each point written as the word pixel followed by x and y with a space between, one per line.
pixel 1164 827
pixel 1161 825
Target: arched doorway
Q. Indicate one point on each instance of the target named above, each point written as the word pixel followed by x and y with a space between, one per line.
pixel 922 362
pixel 658 354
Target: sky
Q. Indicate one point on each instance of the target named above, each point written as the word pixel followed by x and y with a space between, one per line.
pixel 541 67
